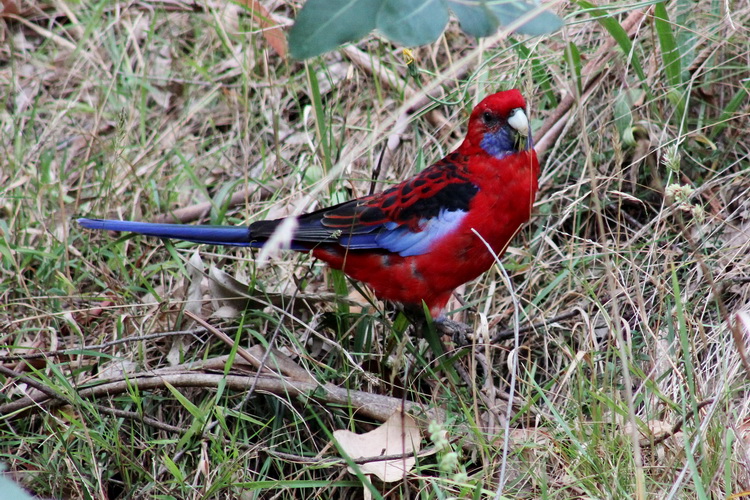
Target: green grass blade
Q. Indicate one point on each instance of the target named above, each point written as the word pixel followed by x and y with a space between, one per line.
pixel 669 53
pixel 616 31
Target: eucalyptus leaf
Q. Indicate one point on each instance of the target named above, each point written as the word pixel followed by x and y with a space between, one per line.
pixel 539 22
pixel 323 25
pixel 10 490
pixel 414 22
pixel 476 19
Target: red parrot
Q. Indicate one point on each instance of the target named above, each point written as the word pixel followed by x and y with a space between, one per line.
pixel 416 241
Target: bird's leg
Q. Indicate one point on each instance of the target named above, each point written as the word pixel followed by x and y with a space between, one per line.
pixel 459 332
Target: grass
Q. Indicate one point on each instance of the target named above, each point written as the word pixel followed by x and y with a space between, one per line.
pixel 639 240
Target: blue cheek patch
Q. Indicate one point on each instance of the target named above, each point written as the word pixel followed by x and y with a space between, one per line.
pixel 499 144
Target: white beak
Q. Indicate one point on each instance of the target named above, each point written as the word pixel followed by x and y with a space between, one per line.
pixel 519 121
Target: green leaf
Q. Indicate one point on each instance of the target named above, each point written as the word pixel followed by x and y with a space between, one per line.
pixel 540 73
pixel 624 118
pixel 541 22
pixel 341 288
pixel 573 57
pixel 721 123
pixel 412 22
pixel 475 19
pixel 323 25
pixel 669 53
pixel 320 118
pixel 617 32
pixel 196 412
pixel 173 468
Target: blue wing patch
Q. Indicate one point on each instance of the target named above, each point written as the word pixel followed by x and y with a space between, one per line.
pixel 404 241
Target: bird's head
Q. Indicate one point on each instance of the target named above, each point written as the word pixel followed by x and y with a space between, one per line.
pixel 499 125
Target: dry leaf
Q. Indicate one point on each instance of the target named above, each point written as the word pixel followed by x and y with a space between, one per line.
pixel 358 302
pixel 743 431
pixel 194 292
pixel 228 294
pixel 399 435
pixel 658 429
pixel 229 13
pixel 193 302
pixel 272 30
pixel 9 8
pixel 744 320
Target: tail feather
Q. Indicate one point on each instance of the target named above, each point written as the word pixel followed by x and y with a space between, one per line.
pixel 212 235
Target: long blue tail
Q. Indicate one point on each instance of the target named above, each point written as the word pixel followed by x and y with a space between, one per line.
pixel 212 235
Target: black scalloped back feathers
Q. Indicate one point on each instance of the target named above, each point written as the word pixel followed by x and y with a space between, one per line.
pixel 444 186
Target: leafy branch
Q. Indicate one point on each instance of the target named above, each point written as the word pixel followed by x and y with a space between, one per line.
pixel 323 25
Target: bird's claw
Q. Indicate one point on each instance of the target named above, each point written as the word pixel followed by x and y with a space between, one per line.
pixel 461 333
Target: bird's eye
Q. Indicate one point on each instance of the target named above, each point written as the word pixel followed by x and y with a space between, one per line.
pixel 488 118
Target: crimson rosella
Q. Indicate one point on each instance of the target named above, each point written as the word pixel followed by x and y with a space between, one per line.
pixel 420 239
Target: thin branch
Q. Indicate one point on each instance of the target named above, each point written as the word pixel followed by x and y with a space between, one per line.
pixel 676 427
pixel 365 404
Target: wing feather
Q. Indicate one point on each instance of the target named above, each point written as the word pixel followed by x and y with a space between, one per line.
pixel 405 219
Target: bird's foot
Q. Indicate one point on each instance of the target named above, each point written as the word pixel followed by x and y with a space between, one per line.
pixel 460 332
